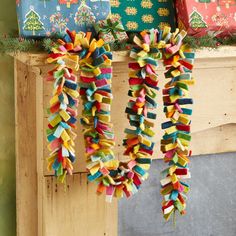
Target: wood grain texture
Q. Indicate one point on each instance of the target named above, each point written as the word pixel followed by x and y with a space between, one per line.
pixel 26 151
pixel 219 139
pixel 74 209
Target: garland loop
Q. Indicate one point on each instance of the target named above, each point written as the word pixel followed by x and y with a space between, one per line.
pixel 94 60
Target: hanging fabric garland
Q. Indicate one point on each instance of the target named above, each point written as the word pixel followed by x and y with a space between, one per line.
pixel 114 177
pixel 63 109
pixel 178 60
pixel 94 60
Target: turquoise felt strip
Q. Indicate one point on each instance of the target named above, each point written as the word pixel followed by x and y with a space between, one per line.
pixel 91 178
pixel 130 131
pixel 187 111
pixel 174 195
pixel 51 137
pixel 189 55
pixel 65 125
pixel 169 136
pixel 151 115
pixel 139 170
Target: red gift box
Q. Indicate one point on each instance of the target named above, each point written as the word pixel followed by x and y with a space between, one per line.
pixel 201 17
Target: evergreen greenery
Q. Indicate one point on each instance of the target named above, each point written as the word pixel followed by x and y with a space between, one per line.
pixel 10 44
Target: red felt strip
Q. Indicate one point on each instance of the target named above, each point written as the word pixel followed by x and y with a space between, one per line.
pixel 183 128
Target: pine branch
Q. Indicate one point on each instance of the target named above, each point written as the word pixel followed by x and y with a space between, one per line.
pixel 9 44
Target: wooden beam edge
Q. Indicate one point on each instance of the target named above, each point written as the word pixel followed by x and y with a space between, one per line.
pixel 38 59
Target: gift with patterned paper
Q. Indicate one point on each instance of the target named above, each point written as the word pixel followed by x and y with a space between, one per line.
pixel 201 17
pixel 40 18
pixel 139 15
pixel 111 30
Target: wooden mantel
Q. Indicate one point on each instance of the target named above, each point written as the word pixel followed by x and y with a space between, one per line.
pixel 38 59
pixel 46 205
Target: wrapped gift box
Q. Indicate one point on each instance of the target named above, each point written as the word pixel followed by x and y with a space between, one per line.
pixel 199 17
pixel 40 18
pixel 111 31
pixel 138 15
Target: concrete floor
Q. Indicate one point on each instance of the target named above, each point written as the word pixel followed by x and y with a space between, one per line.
pixel 211 207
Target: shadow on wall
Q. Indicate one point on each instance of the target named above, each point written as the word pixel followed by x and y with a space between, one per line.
pixel 7 149
pixel 211 204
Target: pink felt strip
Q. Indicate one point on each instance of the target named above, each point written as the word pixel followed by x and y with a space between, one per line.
pixel 177 106
pixel 106 70
pixel 103 127
pixel 132 164
pixel 71 111
pixel 90 150
pixel 146 38
pixel 141 99
pixel 110 190
pixel 130 175
pixel 87 79
pixel 170 154
pixel 150 70
pixel 71 77
pixel 104 171
pixel 62 48
pixel 55 144
pixel 77 48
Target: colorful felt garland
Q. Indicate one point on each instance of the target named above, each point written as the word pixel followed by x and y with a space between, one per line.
pixel 63 109
pixel 115 177
pixel 178 60
pixel 95 62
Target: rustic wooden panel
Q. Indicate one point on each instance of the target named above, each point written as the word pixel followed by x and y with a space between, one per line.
pixel 215 140
pixel 26 164
pixel 75 209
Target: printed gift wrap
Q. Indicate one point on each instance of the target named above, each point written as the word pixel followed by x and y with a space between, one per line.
pixel 139 15
pixel 39 18
pixel 199 17
pixel 111 30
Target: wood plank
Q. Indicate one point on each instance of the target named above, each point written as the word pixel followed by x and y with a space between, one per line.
pixel 26 163
pixel 39 144
pixel 75 209
pixel 215 140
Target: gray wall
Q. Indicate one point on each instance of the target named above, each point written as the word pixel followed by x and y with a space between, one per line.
pixel 211 207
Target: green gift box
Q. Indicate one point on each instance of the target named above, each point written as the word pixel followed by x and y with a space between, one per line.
pixel 139 15
pixel 111 30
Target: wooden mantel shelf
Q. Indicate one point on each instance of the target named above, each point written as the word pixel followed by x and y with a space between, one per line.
pixel 215 76
pixel 38 59
pixel 43 203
